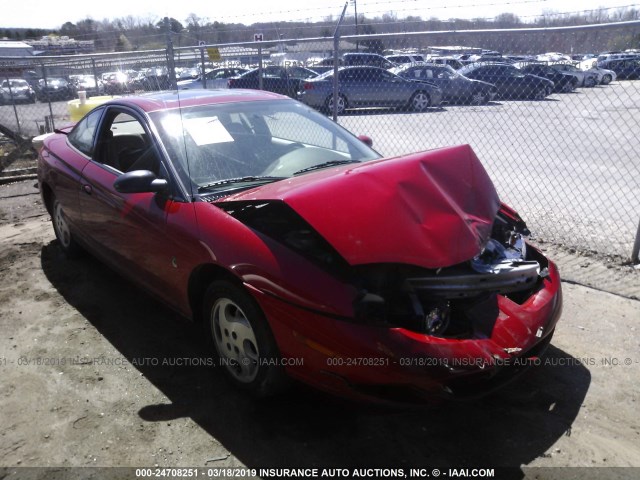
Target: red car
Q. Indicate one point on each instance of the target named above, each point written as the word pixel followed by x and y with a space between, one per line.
pixel 303 253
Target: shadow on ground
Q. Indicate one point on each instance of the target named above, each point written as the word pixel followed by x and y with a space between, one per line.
pixel 305 428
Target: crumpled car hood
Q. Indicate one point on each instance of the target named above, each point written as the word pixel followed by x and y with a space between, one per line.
pixel 431 209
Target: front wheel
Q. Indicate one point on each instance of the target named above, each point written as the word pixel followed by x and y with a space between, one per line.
pixel 242 339
pixel 606 80
pixel 419 102
pixel 63 231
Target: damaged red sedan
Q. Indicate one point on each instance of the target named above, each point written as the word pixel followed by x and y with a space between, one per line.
pixel 302 252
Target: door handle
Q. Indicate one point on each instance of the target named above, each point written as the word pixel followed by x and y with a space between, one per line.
pixel 87 189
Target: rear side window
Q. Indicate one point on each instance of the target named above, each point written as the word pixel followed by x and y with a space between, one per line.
pixel 83 134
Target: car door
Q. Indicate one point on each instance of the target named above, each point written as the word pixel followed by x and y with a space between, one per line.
pixel 67 169
pixel 274 79
pixel 451 84
pixel 355 85
pixel 513 81
pixel 130 231
pixel 394 90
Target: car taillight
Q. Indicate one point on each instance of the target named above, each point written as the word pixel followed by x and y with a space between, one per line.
pixel 308 86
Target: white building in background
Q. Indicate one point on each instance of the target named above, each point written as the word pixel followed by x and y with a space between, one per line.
pixel 12 48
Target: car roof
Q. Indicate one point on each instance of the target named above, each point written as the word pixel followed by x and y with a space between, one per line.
pixel 166 100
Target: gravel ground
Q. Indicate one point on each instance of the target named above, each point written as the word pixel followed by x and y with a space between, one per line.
pixel 108 405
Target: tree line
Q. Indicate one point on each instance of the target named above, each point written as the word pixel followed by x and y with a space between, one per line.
pixel 136 33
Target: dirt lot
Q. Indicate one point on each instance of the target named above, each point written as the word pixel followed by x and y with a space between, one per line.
pixel 108 405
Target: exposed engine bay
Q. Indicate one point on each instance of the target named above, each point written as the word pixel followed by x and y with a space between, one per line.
pixel 459 301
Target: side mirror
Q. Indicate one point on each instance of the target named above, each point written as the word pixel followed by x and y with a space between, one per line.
pixel 140 181
pixel 366 140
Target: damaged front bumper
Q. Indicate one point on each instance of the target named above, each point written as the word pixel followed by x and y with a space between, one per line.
pixel 403 365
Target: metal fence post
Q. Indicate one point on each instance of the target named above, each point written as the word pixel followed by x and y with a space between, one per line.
pixel 336 49
pixel 44 77
pixel 170 60
pixel 635 253
pixel 204 70
pixel 260 81
pixel 13 102
pixel 95 75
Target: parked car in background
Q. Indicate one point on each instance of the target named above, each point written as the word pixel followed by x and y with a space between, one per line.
pixel 585 79
pixel 16 90
pixel 188 73
pixel 563 82
pixel 286 237
pixel 156 78
pixel 403 58
pixel 216 78
pixel 55 89
pixel 455 87
pixel 283 80
pixel 366 59
pixel 324 64
pixel 510 81
pixel 116 83
pixel 89 84
pixel 353 59
pixel 454 63
pixel 603 75
pixel 369 87
pixel 625 69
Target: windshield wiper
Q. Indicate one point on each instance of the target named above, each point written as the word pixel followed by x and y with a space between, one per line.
pixel 231 181
pixel 325 165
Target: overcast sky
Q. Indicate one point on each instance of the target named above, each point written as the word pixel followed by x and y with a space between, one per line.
pixel 50 14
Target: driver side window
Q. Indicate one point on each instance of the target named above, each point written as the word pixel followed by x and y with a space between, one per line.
pixel 82 135
pixel 125 144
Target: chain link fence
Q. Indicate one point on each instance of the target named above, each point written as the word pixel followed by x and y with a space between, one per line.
pixel 559 137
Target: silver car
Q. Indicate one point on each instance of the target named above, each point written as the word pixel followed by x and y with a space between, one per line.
pixel 16 89
pixel 217 78
pixel 585 79
pixel 603 76
pixel 368 87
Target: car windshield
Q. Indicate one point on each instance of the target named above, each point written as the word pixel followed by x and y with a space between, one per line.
pixel 231 145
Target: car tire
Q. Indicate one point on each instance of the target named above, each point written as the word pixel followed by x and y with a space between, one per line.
pixel 419 101
pixel 342 104
pixel 479 98
pixel 62 230
pixel 242 339
pixel 590 82
pixel 606 79
pixel 540 93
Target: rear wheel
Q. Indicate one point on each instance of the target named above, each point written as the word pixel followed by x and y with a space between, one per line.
pixel 63 231
pixel 479 98
pixel 242 339
pixel 540 93
pixel 606 80
pixel 419 102
pixel 341 104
